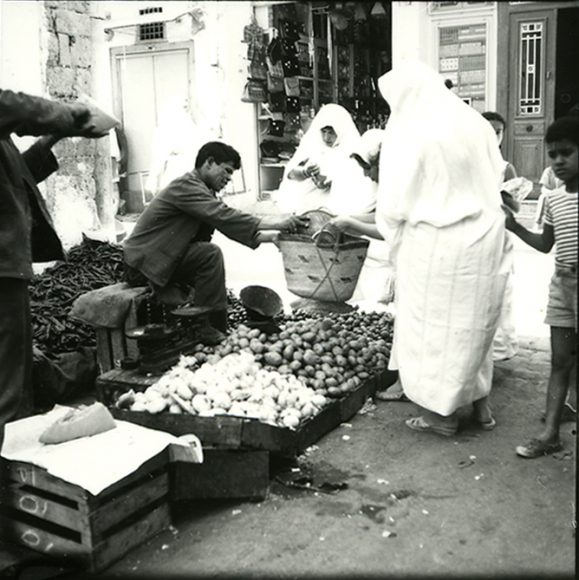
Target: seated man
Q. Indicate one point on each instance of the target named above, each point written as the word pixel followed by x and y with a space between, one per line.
pixel 171 241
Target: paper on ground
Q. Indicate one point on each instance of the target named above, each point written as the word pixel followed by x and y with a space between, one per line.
pixel 93 463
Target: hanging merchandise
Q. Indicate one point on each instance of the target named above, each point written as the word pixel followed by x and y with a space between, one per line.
pixel 292 86
pixel 254 92
pixel 251 31
pixel 275 128
pixel 290 62
pixel 290 29
pixel 258 68
pixel 274 84
pixel 274 70
pixel 274 49
pixel 269 149
pixel 277 102
pixel 292 122
pixel 292 105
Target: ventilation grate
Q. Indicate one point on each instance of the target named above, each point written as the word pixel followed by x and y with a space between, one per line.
pixel 152 31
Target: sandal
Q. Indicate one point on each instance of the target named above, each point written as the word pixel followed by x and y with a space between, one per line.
pixel 486 425
pixel 387 396
pixel 394 392
pixel 419 424
pixel 537 448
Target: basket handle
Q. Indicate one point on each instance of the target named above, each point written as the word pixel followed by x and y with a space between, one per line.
pixel 327 237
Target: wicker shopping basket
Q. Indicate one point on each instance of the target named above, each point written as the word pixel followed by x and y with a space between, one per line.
pixel 328 273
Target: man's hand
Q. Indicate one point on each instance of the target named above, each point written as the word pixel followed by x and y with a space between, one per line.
pixel 293 223
pixel 85 125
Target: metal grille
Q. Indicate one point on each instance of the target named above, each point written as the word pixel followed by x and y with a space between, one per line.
pixel 531 68
pixel 152 31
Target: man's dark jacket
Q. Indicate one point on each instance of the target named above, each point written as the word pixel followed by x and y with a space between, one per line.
pixel 26 230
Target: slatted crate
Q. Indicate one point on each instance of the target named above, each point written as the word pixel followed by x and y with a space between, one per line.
pixel 230 432
pixel 61 519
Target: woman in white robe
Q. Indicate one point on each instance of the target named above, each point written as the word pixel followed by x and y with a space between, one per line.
pixel 439 208
pixel 353 199
pixel 310 173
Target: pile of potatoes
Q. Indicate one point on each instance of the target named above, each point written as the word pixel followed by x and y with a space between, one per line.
pixel 235 385
pixel 330 354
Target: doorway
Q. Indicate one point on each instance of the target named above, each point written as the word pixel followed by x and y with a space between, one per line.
pixel 148 82
pixel 567 80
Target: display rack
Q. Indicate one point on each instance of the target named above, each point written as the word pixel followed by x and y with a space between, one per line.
pixel 343 71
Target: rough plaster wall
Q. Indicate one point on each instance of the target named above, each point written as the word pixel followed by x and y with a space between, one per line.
pixel 72 195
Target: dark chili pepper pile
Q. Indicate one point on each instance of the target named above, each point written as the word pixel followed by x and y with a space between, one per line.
pixel 90 265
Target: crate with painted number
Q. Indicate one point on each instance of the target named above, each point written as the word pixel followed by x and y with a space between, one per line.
pixel 63 520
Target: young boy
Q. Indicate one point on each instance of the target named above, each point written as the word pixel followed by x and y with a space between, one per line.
pixel 560 229
pixel 499 125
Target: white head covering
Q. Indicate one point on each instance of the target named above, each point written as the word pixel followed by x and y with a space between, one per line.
pixel 369 145
pixel 440 161
pixel 301 196
pixel 312 146
pixel 352 192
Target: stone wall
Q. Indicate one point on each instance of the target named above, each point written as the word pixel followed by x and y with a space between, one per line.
pixel 78 195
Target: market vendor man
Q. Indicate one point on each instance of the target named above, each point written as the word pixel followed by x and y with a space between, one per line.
pixel 171 242
pixel 26 230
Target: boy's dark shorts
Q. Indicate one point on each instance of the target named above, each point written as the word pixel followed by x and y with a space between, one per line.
pixel 562 305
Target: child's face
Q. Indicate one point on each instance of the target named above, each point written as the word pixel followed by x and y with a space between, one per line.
pixel 564 158
pixel 499 130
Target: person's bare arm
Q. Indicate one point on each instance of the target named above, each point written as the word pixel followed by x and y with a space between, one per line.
pixel 542 241
pixel 355 227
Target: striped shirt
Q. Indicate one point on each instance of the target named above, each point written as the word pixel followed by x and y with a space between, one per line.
pixel 561 213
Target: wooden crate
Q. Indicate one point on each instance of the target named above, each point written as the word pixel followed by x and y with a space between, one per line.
pixel 227 431
pixel 112 346
pixel 224 473
pixel 58 518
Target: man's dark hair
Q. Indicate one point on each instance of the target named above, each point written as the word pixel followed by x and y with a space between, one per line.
pixel 448 83
pixel 492 116
pixel 221 153
pixel 563 128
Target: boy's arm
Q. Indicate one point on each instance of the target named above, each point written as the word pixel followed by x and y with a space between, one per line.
pixel 543 241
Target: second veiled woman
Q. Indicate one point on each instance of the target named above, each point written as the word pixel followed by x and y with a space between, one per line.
pixel 439 207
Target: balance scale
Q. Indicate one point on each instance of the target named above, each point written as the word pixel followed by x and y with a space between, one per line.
pixel 161 344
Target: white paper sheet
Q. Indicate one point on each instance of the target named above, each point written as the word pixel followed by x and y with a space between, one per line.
pixel 93 463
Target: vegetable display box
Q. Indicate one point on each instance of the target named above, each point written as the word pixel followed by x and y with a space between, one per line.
pixel 224 474
pixel 230 432
pixel 50 515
